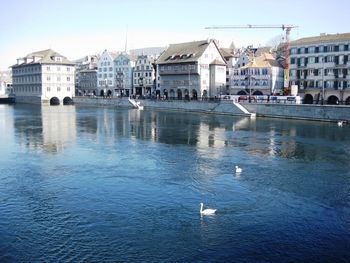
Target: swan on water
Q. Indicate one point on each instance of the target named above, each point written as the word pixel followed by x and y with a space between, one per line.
pixel 238 169
pixel 340 123
pixel 207 211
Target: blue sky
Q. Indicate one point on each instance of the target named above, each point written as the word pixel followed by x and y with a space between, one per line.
pixel 78 28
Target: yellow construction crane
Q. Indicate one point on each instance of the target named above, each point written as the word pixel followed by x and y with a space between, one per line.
pixel 288 29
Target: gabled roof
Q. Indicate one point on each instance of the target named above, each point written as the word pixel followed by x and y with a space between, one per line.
pixel 183 52
pixel 46 57
pixel 217 62
pixel 321 39
pixel 265 60
pixel 126 55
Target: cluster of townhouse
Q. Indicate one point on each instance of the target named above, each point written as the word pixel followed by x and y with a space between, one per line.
pixel 319 72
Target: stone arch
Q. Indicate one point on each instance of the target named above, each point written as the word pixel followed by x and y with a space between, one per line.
pixel 179 94
pixel 194 94
pixel 257 92
pixel 109 93
pixel 205 93
pixel 165 92
pixel 187 94
pixel 54 101
pixel 333 100
pixel 102 93
pixel 67 101
pixel 172 94
pixel 308 99
pixel 241 92
pixel 347 101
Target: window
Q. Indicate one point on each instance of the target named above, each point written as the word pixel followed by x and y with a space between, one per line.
pixel 58 68
pixel 48 68
pixel 68 78
pixel 48 89
pixel 68 88
pixel 58 78
pixel 58 89
pixel 48 78
pixel 68 68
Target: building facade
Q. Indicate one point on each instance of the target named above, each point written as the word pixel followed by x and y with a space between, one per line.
pixel 44 77
pixel 320 68
pixel 262 76
pixel 86 75
pixel 106 80
pixel 88 82
pixel 192 70
pixel 124 66
pixel 144 77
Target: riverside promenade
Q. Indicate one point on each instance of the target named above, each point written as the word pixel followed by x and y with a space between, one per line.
pixel 276 110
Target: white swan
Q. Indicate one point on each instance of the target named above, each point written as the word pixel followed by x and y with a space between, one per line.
pixel 207 212
pixel 238 169
pixel 340 123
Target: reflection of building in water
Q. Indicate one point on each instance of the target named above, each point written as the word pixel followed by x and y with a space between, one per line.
pixel 59 127
pixel 143 125
pixel 48 128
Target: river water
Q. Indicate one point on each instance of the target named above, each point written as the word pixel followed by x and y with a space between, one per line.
pixel 85 184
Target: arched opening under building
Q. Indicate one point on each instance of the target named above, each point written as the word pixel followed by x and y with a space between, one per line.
pixel 194 95
pixel 67 101
pixel 54 101
pixel 205 94
pixel 241 92
pixel 333 100
pixel 257 92
pixel 172 94
pixel 102 93
pixel 165 92
pixel 109 93
pixel 179 94
pixel 308 99
pixel 187 95
pixel 347 101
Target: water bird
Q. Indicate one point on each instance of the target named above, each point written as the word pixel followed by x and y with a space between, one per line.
pixel 238 169
pixel 207 211
pixel 340 123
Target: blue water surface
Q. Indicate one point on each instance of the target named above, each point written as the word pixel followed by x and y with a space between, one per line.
pixel 85 184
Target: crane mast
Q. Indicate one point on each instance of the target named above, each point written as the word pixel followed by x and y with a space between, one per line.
pixel 287 28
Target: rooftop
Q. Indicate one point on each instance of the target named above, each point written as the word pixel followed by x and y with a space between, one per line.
pixel 321 38
pixel 47 56
pixel 183 52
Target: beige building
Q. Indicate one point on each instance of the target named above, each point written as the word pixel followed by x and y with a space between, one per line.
pixel 43 77
pixel 262 76
pixel 320 68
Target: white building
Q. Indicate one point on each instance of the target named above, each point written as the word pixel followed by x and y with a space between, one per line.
pixel 144 76
pixel 106 80
pixel 124 66
pixel 320 68
pixel 43 77
pixel 192 70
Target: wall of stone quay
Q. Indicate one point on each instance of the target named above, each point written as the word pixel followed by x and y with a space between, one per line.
pixel 223 107
pixel 301 111
pixel 292 111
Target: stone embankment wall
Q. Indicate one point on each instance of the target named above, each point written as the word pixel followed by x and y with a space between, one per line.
pixel 292 111
pixel 301 111
pixel 223 107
